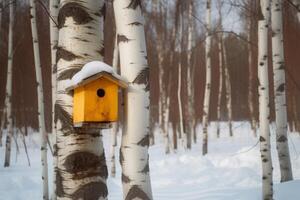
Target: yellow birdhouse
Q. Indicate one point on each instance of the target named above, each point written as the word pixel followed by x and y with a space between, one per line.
pixel 95 100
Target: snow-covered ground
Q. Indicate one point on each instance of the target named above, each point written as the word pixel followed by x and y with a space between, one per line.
pixel 230 171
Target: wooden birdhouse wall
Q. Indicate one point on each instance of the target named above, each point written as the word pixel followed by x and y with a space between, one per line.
pixel 96 102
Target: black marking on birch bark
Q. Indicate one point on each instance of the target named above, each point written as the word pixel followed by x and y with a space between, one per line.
pixel 144 142
pixel 136 193
pixel 146 169
pixel 64 117
pixel 122 38
pixel 134 4
pixel 59 185
pixel 82 161
pixel 80 39
pixel 265 160
pixel 136 24
pixel 281 88
pixel 101 51
pixel 143 78
pixel 69 72
pixel 121 157
pixel 281 65
pixel 74 10
pixel 261 64
pixel 125 179
pixel 91 191
pixel 54 69
pixel 62 53
pixel 55 149
pixel 282 138
pixel 262 139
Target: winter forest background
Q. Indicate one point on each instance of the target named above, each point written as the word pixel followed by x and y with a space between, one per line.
pixel 237 164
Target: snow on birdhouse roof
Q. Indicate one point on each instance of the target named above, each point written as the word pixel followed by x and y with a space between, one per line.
pixel 95 70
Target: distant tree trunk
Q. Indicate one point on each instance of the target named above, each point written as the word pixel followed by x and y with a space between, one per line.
pixel 167 136
pixel 53 5
pixel 82 170
pixel 280 94
pixel 264 109
pixel 114 129
pixel 3 120
pixel 297 4
pixel 174 146
pixel 190 78
pixel 228 88
pixel 295 115
pixel 208 78
pixel 134 156
pixel 220 83
pixel 9 79
pixel 40 94
pixel 251 77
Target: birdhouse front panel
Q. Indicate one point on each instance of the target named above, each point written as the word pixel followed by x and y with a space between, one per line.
pixel 96 101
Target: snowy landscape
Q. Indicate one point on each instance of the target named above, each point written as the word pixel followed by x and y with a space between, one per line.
pixel 231 171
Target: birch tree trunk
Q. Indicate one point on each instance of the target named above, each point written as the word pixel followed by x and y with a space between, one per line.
pixel 251 78
pixel 9 87
pixel 134 156
pixel 40 94
pixel 82 170
pixel 53 5
pixel 280 94
pixel 190 78
pixel 114 129
pixel 264 109
pixel 228 88
pixel 220 83
pixel 208 78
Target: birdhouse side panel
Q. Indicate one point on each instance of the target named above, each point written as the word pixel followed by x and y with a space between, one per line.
pixel 78 105
pixel 101 101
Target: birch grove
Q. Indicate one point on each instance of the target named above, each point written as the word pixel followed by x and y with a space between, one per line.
pixel 40 94
pixel 207 93
pixel 9 82
pixel 134 157
pixel 82 170
pixel 264 109
pixel 280 92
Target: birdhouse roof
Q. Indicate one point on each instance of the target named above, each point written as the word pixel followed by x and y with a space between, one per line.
pixel 93 71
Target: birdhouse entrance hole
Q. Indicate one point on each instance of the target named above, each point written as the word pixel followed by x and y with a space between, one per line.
pixel 100 92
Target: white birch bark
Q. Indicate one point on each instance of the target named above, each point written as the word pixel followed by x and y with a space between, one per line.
pixel 228 87
pixel 251 78
pixel 40 94
pixel 114 129
pixel 264 109
pixel 190 77
pixel 9 88
pixel 82 170
pixel 53 5
pixel 208 78
pixel 280 94
pixel 134 156
pixel 220 52
pixel 182 135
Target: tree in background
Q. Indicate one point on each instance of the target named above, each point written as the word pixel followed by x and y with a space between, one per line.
pixel 280 94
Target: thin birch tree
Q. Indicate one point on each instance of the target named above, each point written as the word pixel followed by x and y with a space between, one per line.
pixel 40 94
pixel 264 109
pixel 134 156
pixel 228 87
pixel 190 76
pixel 280 92
pixel 9 82
pixel 82 170
pixel 208 78
pixel 114 129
